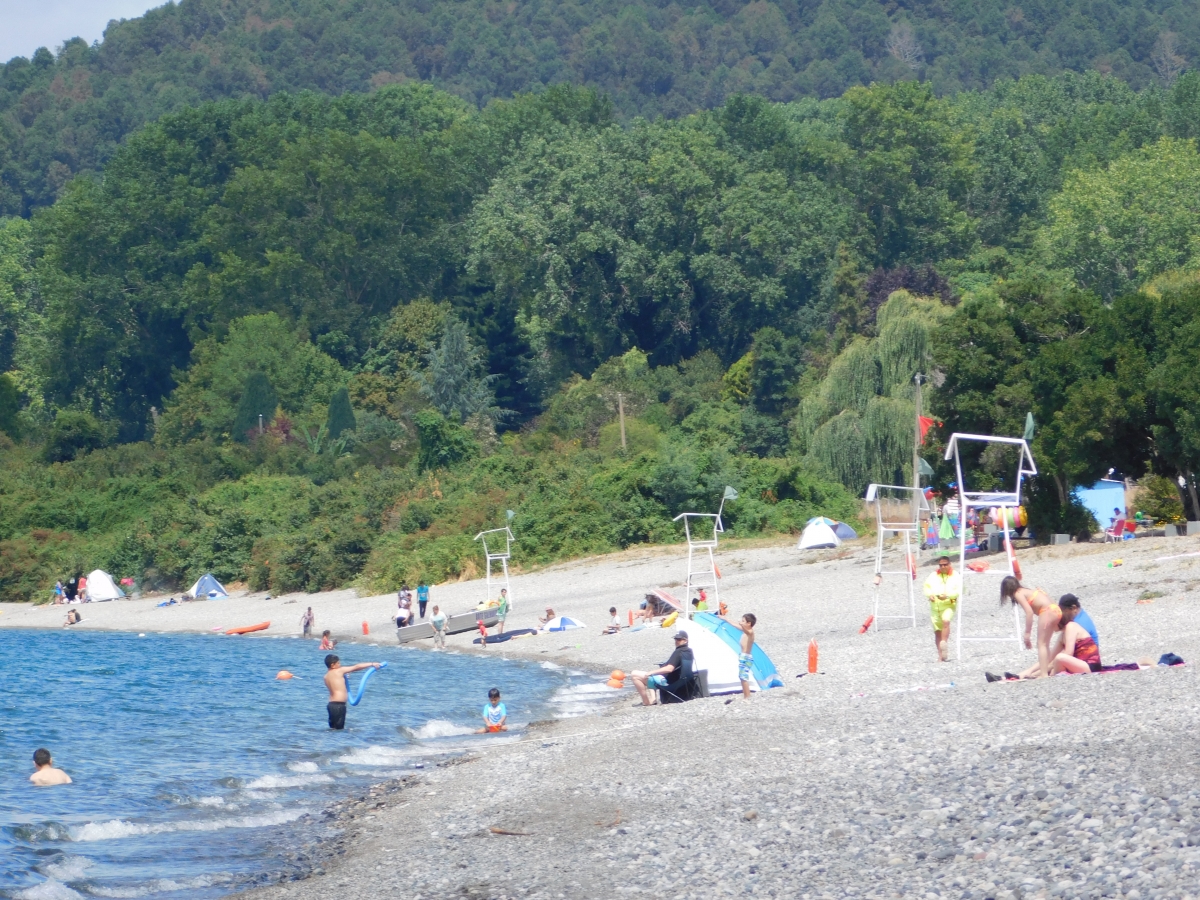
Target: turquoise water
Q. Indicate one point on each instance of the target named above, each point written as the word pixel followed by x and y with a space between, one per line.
pixel 196 772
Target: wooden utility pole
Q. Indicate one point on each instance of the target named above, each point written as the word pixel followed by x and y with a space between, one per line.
pixel 621 413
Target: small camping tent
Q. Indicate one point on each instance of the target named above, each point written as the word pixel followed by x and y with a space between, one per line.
pixel 562 623
pixel 761 667
pixel 101 587
pixel 208 587
pixel 718 658
pixel 822 532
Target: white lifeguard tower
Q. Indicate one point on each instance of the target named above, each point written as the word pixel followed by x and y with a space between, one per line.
pixel 900 510
pixel 492 542
pixel 701 531
pixel 1005 501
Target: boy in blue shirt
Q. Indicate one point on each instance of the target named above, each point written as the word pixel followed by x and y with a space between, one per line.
pixel 495 716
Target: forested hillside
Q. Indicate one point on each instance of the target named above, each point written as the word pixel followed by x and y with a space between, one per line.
pixel 65 112
pixel 310 341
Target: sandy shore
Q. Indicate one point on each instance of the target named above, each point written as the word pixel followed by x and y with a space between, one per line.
pixel 889 774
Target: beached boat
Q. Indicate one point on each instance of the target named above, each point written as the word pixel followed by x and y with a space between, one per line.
pixel 469 621
pixel 414 632
pixel 261 626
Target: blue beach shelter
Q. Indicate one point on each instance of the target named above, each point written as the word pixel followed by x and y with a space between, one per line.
pixel 563 623
pixel 207 587
pixel 761 667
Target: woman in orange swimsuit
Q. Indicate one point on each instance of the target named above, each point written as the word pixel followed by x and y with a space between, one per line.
pixel 1038 606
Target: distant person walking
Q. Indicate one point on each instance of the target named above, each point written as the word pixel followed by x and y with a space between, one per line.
pixel 45 774
pixel 942 590
pixel 438 622
pixel 307 621
pixel 422 597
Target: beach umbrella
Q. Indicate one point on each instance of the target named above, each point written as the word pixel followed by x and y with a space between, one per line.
pixel 563 623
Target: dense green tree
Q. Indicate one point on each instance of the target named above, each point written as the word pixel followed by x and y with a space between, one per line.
pixel 442 443
pixel 1114 229
pixel 341 417
pixel 66 113
pixel 73 433
pixel 256 408
pixel 10 407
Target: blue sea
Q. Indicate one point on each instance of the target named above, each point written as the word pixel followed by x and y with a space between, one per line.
pixel 196 772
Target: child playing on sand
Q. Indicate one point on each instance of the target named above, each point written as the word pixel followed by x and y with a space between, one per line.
pixel 327 643
pixel 438 621
pixel 495 716
pixel 614 626
pixel 745 658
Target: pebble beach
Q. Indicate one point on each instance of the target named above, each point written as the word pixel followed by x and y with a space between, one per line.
pixel 886 774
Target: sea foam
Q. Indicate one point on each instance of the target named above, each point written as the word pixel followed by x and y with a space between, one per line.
pixel 439 728
pixel 119 828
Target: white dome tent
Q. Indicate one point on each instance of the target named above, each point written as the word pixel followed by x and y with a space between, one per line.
pixel 821 533
pixel 101 587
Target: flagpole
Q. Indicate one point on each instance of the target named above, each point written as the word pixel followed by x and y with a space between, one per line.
pixel 916 457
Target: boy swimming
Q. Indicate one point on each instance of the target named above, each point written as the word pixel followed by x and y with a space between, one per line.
pixel 335 681
pixel 46 774
pixel 495 716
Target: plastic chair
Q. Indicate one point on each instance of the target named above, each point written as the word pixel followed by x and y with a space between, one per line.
pixel 1116 533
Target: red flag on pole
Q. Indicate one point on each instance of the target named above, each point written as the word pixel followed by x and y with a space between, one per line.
pixel 926 424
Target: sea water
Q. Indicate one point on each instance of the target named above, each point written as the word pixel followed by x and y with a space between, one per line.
pixel 196 772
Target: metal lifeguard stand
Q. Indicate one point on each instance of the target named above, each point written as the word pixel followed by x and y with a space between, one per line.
pixel 701 530
pixel 492 541
pixel 1004 500
pixel 897 509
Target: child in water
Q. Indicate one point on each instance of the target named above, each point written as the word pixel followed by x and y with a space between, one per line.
pixel 327 643
pixel 495 716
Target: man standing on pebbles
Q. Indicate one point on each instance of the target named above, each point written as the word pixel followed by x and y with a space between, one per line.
pixel 942 588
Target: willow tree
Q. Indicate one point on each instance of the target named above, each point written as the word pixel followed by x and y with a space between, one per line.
pixel 858 422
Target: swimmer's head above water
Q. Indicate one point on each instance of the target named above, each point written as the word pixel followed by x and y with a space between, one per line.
pixel 331 661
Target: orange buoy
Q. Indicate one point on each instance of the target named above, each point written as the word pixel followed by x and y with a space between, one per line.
pixel 631 618
pixel 617 675
pixel 716 570
pixel 812 657
pixel 866 624
pixel 284 675
pixel 366 627
pixel 613 683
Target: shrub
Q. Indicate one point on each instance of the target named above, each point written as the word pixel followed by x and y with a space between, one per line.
pixel 73 433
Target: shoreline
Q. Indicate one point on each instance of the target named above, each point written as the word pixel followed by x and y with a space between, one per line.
pixel 888 773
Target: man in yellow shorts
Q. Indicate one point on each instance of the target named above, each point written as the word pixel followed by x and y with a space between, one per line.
pixel 942 589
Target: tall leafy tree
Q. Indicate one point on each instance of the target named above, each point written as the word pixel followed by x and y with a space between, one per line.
pixel 341 416
pixel 256 408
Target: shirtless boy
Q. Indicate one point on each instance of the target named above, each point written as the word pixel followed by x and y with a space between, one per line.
pixel 335 681
pixel 46 774
pixel 745 658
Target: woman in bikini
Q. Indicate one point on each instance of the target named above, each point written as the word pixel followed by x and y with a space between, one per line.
pixel 1038 606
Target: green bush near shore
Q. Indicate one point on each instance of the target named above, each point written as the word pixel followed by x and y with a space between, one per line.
pixel 282 517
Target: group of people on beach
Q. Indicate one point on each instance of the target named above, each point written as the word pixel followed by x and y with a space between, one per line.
pixel 1067 640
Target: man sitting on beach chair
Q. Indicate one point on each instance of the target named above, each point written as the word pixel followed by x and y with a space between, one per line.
pixel 671 675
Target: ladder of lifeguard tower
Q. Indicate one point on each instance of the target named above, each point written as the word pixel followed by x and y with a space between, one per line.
pixel 494 554
pixel 1005 501
pixel 907 527
pixel 702 576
